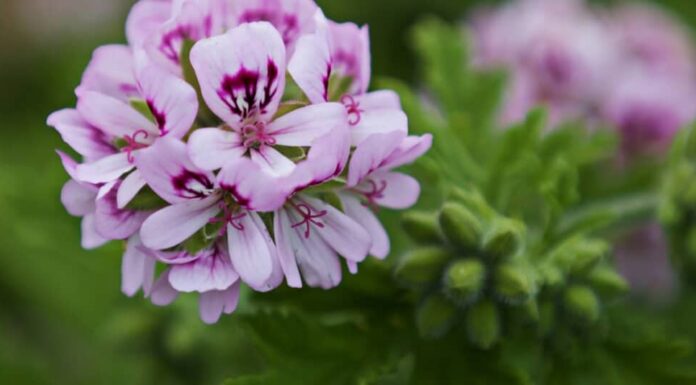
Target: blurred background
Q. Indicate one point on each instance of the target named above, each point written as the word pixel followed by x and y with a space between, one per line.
pixel 63 319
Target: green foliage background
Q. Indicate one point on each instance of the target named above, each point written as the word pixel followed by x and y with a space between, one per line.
pixel 63 319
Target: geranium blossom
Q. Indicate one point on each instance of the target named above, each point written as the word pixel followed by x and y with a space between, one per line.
pixel 189 155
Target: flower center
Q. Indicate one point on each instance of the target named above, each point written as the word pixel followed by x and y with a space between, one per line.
pixel 255 135
pixel 231 217
pixel 132 143
pixel 310 217
pixel 353 108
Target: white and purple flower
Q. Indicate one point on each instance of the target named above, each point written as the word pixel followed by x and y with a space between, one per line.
pixel 193 172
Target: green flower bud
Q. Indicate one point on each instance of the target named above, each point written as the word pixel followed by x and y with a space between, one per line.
pixel 422 227
pixel 513 283
pixel 464 280
pixel 461 227
pixel 608 282
pixel 483 324
pixel 435 316
pixel 422 265
pixel 579 256
pixel 503 238
pixel 582 302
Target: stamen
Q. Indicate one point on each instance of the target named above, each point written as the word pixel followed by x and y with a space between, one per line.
pixel 255 135
pixel 377 192
pixel 353 108
pixel 132 143
pixel 229 217
pixel 309 217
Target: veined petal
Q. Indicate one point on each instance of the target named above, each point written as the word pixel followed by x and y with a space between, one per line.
pixel 113 223
pixel 240 80
pixel 286 254
pixel 174 257
pixel 104 170
pixel 170 173
pixel 379 121
pixel 272 161
pixel 130 187
pixel 111 72
pixel 137 269
pixel 305 125
pixel 326 159
pixel 390 189
pixel 410 149
pixel 213 304
pixel 318 262
pixel 350 54
pixel 84 138
pixel 311 67
pixel 91 239
pixel 211 148
pixel 172 102
pixel 252 187
pixel 111 115
pixel 174 224
pixel 251 252
pixel 163 293
pixel 145 18
pixel 211 271
pixel 78 199
pixel 383 99
pixel 343 234
pixel 369 221
pixel 371 154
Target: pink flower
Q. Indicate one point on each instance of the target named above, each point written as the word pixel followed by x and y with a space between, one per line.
pixel 337 59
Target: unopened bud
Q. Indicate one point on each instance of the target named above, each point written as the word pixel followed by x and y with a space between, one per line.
pixel 580 256
pixel 422 227
pixel 422 265
pixel 464 280
pixel 503 238
pixel 483 324
pixel 583 303
pixel 435 316
pixel 461 227
pixel 608 282
pixel 513 283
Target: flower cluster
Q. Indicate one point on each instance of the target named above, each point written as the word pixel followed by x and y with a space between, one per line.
pixel 631 67
pixel 235 141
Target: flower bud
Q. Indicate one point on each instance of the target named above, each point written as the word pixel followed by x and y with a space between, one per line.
pixel 579 256
pixel 513 284
pixel 422 227
pixel 608 282
pixel 464 280
pixel 422 265
pixel 483 324
pixel 583 303
pixel 435 316
pixel 461 227
pixel 503 238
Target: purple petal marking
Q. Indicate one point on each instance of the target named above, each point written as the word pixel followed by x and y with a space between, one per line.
pixel 287 24
pixel 160 117
pixel 246 81
pixel 192 185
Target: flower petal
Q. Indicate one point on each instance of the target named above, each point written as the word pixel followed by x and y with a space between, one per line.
pixel 311 67
pixel 400 191
pixel 380 121
pixel 252 187
pixel 211 148
pixel 350 54
pixel 172 102
pixel 78 199
pixel 130 187
pixel 84 138
pixel 211 271
pixel 272 161
pixel 383 99
pixel 343 234
pixel 170 173
pixel 326 159
pixel 145 18
pixel 91 239
pixel 137 269
pixel 114 223
pixel 371 154
pixel 369 221
pixel 410 149
pixel 111 115
pixel 213 304
pixel 104 170
pixel 239 80
pixel 286 253
pixel 163 293
pixel 305 125
pixel 174 224
pixel 111 72
pixel 251 253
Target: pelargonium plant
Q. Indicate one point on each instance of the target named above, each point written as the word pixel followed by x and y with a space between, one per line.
pixel 235 142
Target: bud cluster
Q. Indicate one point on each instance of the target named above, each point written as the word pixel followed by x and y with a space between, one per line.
pixel 474 267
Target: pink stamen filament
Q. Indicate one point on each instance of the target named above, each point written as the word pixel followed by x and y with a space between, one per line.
pixel 255 135
pixel 229 217
pixel 309 217
pixel 353 108
pixel 377 192
pixel 132 143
